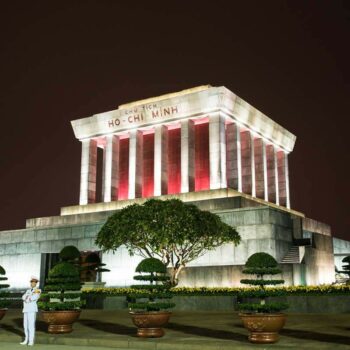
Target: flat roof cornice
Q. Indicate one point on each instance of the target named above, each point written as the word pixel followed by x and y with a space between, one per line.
pixel 191 103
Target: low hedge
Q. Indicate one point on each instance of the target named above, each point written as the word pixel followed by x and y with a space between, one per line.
pixel 222 291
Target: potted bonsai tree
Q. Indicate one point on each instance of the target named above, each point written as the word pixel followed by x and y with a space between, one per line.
pixel 262 318
pixel 91 265
pixel 61 301
pixel 152 299
pixel 70 254
pixel 4 302
pixel 346 268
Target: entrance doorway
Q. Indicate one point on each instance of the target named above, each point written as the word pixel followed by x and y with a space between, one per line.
pixel 48 261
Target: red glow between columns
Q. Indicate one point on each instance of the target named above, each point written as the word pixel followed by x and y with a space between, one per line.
pixel 123 187
pixel 174 161
pixel 202 180
pixel 148 165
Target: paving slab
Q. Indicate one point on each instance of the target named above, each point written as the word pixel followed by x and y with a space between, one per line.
pixel 103 329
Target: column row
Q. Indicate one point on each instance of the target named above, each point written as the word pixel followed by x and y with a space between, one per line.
pixel 255 167
pixel 208 153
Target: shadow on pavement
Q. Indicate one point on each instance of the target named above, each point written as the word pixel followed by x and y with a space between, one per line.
pixel 207 332
pixel 40 326
pixel 12 329
pixel 113 328
pixel 309 335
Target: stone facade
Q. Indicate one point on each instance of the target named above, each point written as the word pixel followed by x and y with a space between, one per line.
pixel 205 146
pixel 262 228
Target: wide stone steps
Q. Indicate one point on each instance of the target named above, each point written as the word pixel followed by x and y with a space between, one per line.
pixel 293 256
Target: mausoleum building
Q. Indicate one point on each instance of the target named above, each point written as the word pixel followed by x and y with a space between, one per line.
pixel 204 145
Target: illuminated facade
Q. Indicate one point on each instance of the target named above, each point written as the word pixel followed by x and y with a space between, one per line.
pixel 203 145
pixel 204 138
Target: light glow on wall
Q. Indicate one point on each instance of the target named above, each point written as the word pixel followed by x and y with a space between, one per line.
pixel 202 180
pixel 148 165
pixel 174 160
pixel 123 185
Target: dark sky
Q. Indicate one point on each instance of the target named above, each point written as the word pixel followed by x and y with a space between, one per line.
pixel 76 58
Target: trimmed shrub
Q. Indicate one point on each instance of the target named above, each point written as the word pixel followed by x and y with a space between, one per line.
pixel 91 266
pixel 153 296
pixel 4 302
pixel 260 265
pixel 152 266
pixel 70 254
pixel 326 289
pixel 62 289
pixel 346 267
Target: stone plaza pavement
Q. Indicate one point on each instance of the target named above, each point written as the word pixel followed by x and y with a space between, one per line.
pixel 186 331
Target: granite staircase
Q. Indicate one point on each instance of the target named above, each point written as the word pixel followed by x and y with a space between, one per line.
pixel 296 252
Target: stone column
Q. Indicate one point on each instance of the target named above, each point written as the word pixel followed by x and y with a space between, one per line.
pixel 252 152
pixel 160 160
pixel 247 164
pixel 266 190
pixel 110 169
pixel 271 180
pixel 276 176
pixel 282 177
pixel 286 171
pixel 233 157
pixel 187 156
pixel 132 164
pixel 88 172
pixel 139 165
pixel 217 151
pixel 259 147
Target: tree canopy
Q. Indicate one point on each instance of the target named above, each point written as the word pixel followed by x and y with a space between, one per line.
pixel 173 231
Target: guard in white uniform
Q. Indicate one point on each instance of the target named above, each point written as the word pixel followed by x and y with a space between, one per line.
pixel 30 308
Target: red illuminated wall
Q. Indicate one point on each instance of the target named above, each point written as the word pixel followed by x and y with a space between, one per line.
pixel 148 165
pixel 174 161
pixel 123 169
pixel 202 157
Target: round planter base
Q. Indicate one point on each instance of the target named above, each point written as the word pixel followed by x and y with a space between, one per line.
pixel 149 323
pixel 60 328
pixel 60 321
pixel 263 328
pixel 150 332
pixel 263 337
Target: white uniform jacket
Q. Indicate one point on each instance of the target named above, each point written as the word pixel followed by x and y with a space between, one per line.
pixel 30 297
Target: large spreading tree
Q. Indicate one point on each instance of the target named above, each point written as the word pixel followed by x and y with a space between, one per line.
pixel 175 232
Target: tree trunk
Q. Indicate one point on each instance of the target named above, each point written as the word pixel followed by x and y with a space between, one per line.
pixel 174 276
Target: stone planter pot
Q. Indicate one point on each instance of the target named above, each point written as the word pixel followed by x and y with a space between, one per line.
pixel 263 328
pixel 60 321
pixel 2 313
pixel 149 323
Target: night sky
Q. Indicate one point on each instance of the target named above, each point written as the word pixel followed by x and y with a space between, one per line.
pixel 290 60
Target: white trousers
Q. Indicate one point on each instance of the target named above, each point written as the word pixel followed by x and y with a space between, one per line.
pixel 29 326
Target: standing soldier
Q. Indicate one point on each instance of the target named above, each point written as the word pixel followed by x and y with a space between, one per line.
pixel 30 308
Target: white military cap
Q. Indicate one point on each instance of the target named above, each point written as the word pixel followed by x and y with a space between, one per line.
pixel 33 278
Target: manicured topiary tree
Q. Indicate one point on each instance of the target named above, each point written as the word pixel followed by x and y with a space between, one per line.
pixel 70 254
pixel 91 266
pixel 346 267
pixel 62 288
pixel 261 265
pixel 155 295
pixel 4 302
